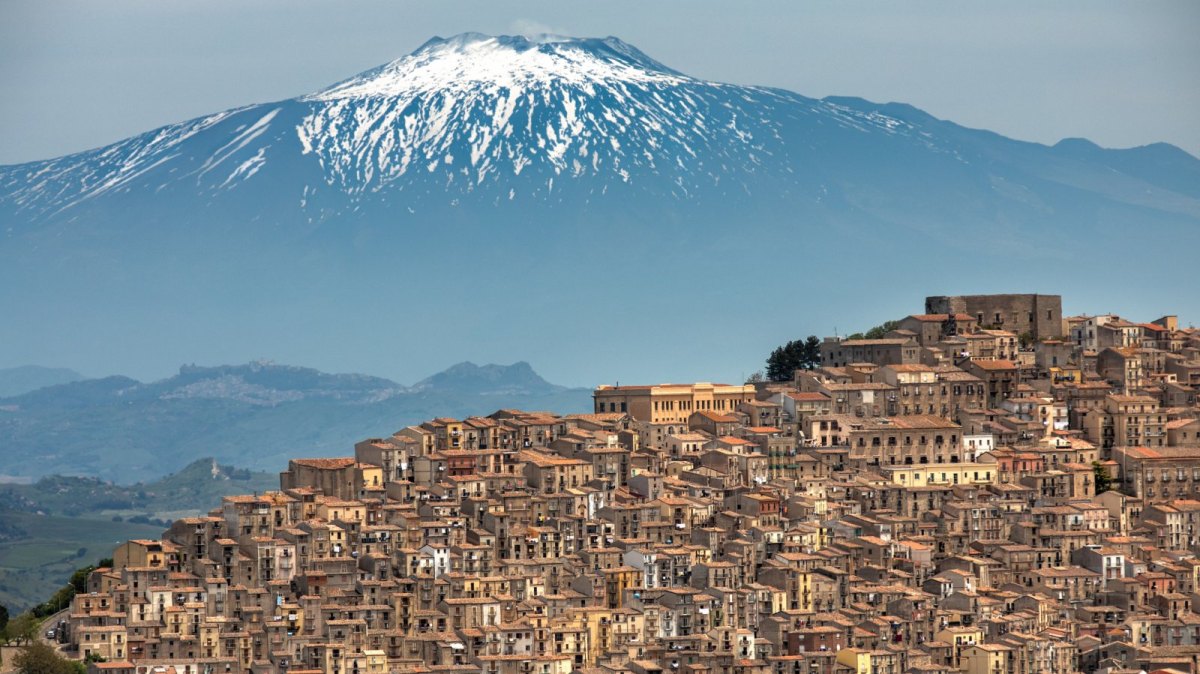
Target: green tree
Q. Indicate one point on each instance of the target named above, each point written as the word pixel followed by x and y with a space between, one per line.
pixel 40 658
pixel 22 629
pixel 784 361
pixel 1104 479
pixel 795 355
pixel 812 352
pixel 3 616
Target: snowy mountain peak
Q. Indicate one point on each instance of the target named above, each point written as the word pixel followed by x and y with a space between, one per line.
pixel 522 116
pixel 506 61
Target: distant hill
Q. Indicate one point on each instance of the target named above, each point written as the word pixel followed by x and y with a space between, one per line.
pixel 516 379
pixel 196 489
pixel 17 380
pixel 255 416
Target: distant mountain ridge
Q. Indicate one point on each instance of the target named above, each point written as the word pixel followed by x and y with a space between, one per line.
pixel 255 416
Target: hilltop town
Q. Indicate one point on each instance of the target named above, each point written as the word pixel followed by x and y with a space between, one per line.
pixel 989 487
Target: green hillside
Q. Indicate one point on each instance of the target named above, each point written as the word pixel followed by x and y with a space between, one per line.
pixel 38 553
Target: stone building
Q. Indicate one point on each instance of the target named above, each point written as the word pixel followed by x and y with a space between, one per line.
pixel 836 352
pixel 1036 315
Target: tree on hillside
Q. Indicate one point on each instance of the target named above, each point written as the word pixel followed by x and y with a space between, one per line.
pixel 21 629
pixel 3 616
pixel 40 658
pixel 795 355
pixel 812 352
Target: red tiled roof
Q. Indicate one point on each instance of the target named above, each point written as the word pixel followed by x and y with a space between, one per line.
pixel 996 364
pixel 326 464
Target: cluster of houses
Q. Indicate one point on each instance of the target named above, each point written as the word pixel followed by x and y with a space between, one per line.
pixel 989 488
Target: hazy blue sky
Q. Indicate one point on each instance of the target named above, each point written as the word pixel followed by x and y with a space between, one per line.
pixel 78 74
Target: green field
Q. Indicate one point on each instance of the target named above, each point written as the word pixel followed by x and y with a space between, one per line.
pixel 40 559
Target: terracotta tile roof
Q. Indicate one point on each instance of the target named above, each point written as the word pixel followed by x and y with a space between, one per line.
pixel 326 464
pixel 997 364
pixel 730 440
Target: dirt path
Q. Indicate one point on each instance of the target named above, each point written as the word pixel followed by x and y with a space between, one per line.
pixel 7 653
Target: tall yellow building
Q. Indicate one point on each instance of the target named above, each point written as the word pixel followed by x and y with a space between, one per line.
pixel 929 474
pixel 671 403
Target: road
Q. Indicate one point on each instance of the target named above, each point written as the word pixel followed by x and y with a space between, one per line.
pixel 52 623
pixel 8 653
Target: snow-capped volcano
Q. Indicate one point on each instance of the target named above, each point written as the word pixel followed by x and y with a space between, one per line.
pixel 550 197
pixel 527 117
